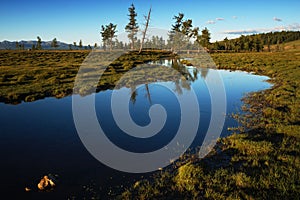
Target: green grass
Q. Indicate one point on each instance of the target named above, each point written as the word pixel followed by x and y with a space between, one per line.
pixel 28 76
pixel 32 75
pixel 288 46
pixel 262 162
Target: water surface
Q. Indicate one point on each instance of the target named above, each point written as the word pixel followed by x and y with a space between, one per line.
pixel 39 137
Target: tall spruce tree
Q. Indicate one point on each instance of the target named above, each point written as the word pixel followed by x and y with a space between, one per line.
pixel 181 32
pixel 108 33
pixel 104 36
pixel 17 45
pixel 205 38
pixel 80 44
pixel 39 43
pixel 54 43
pixel 132 27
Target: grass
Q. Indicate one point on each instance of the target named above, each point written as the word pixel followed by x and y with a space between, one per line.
pixel 288 46
pixel 28 76
pixel 32 75
pixel 262 161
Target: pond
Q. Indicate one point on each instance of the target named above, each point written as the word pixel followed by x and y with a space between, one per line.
pixel 40 137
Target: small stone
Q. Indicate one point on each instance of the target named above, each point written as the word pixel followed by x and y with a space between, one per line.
pixel 45 183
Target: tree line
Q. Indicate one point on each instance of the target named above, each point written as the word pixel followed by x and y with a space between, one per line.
pixel 38 45
pixel 256 42
pixel 183 27
pixel 184 36
pixel 180 36
pixel 108 32
pixel 54 45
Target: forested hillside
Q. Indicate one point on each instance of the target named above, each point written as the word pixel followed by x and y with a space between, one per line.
pixel 256 42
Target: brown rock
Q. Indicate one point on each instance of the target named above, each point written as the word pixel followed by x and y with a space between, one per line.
pixel 45 183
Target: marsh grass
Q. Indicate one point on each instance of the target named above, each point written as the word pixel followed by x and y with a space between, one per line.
pixel 260 163
pixel 33 75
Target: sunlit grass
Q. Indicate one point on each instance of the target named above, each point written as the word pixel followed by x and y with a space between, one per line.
pixel 33 75
pixel 261 163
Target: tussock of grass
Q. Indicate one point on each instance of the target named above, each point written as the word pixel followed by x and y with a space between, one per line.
pixel 189 178
pixel 249 147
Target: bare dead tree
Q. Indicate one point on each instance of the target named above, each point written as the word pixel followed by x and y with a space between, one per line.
pixel 145 30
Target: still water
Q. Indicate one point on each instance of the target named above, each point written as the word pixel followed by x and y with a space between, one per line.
pixel 38 138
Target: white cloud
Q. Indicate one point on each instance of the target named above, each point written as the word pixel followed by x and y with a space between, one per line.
pixel 210 22
pixel 291 27
pixel 240 32
pixel 220 19
pixel 234 17
pixel 277 19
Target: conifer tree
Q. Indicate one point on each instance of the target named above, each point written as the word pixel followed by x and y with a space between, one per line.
pixel 108 33
pixel 205 38
pixel 132 26
pixel 54 43
pixel 39 43
pixel 80 44
pixel 17 45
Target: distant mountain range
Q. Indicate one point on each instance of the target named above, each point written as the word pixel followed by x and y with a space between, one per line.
pixel 8 45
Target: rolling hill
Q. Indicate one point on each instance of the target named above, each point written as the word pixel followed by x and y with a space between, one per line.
pixel 11 45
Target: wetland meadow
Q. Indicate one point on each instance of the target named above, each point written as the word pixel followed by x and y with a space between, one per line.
pixel 261 150
pixel 97 103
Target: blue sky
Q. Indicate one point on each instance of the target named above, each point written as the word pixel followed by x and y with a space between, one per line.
pixel 70 21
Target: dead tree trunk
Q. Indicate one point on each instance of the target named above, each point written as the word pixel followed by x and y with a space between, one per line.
pixel 145 31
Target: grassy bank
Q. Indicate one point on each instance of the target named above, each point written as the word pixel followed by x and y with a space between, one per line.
pixel 262 162
pixel 32 75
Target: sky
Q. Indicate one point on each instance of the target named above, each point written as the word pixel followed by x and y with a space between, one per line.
pixel 71 21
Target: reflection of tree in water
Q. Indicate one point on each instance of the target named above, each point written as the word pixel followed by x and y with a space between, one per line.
pixel 133 94
pixel 204 72
pixel 148 94
pixel 181 80
pixel 160 62
pixel 61 81
pixel 195 72
pixel 176 64
pixel 187 76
